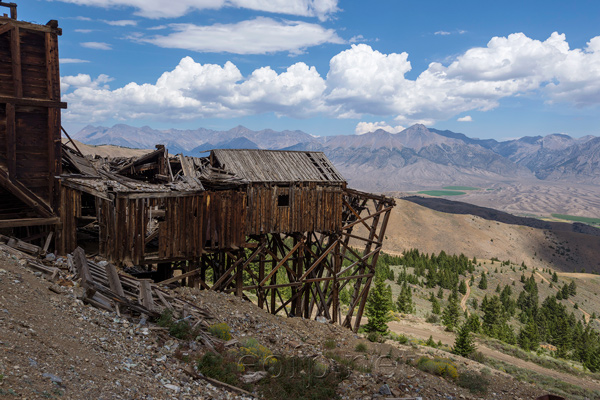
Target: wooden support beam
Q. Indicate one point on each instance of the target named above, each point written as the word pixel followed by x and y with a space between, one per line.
pixel 287 256
pixel 12 223
pixel 180 277
pixel 11 141
pixel 47 242
pixel 319 260
pixel 15 52
pixel 356 214
pixel 6 27
pixel 379 243
pixel 375 214
pixel 227 273
pixel 28 101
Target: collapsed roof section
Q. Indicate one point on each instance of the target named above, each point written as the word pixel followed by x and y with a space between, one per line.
pixel 157 172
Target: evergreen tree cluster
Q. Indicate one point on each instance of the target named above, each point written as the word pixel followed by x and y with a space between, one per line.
pixel 437 270
pixel 552 323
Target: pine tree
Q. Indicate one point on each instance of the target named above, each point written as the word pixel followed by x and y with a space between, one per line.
pixel 451 313
pixel 473 323
pixel 498 288
pixel 378 305
pixel 529 338
pixel 474 303
pixel 462 287
pixel 404 304
pixel 440 293
pixel 345 297
pixel 593 361
pixel 483 282
pixel 493 317
pixel 430 342
pixel 572 288
pixel 435 307
pixel 554 277
pixel 464 344
pixel 565 291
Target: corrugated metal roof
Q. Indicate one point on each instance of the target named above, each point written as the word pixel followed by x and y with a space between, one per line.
pixel 278 165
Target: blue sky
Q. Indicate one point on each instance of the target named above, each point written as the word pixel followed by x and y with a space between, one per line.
pixel 487 69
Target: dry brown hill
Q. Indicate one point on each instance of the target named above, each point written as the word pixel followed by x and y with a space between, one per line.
pixel 107 150
pixel 414 226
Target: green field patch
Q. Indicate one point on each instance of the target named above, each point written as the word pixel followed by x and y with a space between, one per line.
pixel 461 188
pixel 442 192
pixel 585 220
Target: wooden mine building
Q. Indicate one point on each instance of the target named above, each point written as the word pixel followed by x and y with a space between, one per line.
pixel 279 228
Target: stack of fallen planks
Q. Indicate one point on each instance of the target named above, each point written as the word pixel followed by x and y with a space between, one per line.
pixel 105 288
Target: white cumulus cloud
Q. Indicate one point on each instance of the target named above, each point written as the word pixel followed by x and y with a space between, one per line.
pixel 246 37
pixel 466 118
pixel 121 22
pixel 97 45
pixel 84 81
pixel 360 81
pixel 321 9
pixel 72 61
pixel 366 127
pixel 194 90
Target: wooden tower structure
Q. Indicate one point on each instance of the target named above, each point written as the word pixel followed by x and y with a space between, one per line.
pixel 30 148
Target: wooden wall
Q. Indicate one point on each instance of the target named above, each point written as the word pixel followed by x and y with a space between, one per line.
pixel 312 207
pixel 30 106
pixel 190 225
pixel 70 209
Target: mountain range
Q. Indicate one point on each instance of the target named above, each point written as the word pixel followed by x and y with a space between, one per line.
pixel 417 157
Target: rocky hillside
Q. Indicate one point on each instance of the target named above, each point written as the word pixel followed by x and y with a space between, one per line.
pixel 56 347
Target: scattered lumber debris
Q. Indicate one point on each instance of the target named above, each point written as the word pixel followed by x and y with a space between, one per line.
pixel 107 289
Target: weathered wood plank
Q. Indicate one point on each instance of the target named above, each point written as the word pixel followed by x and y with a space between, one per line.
pixel 15 50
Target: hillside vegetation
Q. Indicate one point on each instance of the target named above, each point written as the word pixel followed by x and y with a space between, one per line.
pixel 536 315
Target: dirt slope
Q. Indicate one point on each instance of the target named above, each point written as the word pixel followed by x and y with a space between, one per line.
pixel 423 331
pixel 415 226
pixel 52 346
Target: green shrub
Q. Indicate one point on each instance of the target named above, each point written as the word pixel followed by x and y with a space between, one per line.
pixel 430 342
pixel 181 329
pixel 476 383
pixel 375 337
pixel 330 344
pixel 350 363
pixel 221 331
pixel 477 356
pixel 250 347
pixel 398 338
pixel 361 348
pixel 432 319
pixel 438 366
pixel 216 367
pixel 317 383
pixel 166 318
